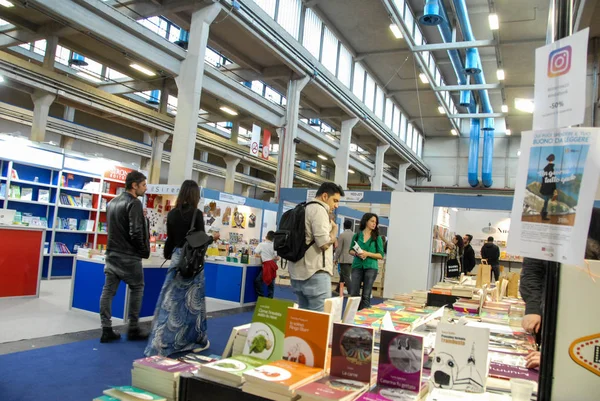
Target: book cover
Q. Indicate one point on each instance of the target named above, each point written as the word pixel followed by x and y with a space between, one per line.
pixel 2 191
pixel 130 393
pixel 15 192
pixel 72 224
pixel 44 196
pixel 460 359
pixel 90 225
pixel 14 175
pixel 27 194
pixel 83 225
pixel 106 398
pixel 233 368
pixel 306 337
pixel 86 201
pixel 333 388
pixel 504 371
pixel 351 352
pixel 266 334
pixel 400 360
pixel 286 374
pixel 351 309
pixel 380 393
pixel 163 364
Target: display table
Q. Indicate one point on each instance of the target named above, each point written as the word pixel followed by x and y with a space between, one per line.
pixel 231 282
pixel 21 260
pixel 192 388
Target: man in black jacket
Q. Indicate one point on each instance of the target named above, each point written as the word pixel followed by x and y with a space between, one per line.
pixel 532 288
pixel 468 254
pixel 128 243
pixel 491 252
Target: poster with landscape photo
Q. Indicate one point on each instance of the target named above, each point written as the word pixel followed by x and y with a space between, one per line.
pixel 554 194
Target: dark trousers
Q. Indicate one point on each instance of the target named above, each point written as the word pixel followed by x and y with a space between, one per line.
pixel 128 269
pixel 545 207
pixel 259 285
pixel 496 272
pixel 345 276
pixel 366 277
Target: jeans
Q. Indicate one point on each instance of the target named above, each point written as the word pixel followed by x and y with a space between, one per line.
pixel 345 276
pixel 313 292
pixel 121 267
pixel 259 285
pixel 366 277
pixel 496 272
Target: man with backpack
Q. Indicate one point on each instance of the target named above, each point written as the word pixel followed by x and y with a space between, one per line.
pixel 305 238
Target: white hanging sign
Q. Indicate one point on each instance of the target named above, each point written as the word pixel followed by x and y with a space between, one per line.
pixel 158 189
pixel 353 196
pixel 255 140
pixel 560 77
pixel 238 200
pixel 554 194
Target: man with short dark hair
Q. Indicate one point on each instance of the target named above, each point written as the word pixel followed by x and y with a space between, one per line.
pixel 128 243
pixel 311 275
pixel 491 252
pixel 468 254
pixel 343 257
pixel 268 273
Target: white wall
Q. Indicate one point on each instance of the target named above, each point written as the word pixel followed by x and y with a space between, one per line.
pixel 472 222
pixel 409 252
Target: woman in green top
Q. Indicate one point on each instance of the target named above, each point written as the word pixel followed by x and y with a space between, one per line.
pixel 369 245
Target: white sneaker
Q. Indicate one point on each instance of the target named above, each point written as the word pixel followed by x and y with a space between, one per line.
pixel 345 291
pixel 200 349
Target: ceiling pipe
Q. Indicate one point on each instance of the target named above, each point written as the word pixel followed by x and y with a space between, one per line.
pixel 473 165
pixel 474 68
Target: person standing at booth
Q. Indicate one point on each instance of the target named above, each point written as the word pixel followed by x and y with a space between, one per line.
pixel 128 243
pixel 179 322
pixel 367 249
pixel 343 257
pixel 491 253
pixel 468 255
pixel 268 273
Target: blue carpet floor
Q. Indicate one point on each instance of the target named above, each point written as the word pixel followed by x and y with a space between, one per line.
pixel 80 371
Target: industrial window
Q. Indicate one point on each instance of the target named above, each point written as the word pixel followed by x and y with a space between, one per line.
pixel 258 87
pixel 409 20
pixel 268 6
pixel 400 6
pixel 370 93
pixel 344 72
pixel 62 54
pixel 409 135
pixel 26 46
pixel 273 96
pixel 39 47
pixel 396 122
pixel 212 57
pixel 288 16
pixel 329 53
pixel 2 22
pixel 389 112
pixel 358 86
pixel 420 146
pixel 93 67
pixel 379 102
pixel 174 33
pixel 172 104
pixel 114 75
pixel 155 24
pixel 311 39
pixel 418 36
pixel 415 141
pixel 403 123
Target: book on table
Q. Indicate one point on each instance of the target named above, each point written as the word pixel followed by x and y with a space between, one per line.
pixel 401 357
pixel 232 369
pixel 265 338
pixel 282 377
pixel 382 393
pixel 332 388
pixel 306 337
pixel 130 393
pixel 351 352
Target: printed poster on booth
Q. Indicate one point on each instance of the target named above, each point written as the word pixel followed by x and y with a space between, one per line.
pixel 554 195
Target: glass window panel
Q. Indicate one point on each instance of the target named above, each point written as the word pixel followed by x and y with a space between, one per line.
pixel 409 134
pixel 288 16
pixel 418 36
pixel 389 112
pixel 330 48
pixel 93 67
pixel 115 75
pixel 311 40
pixel 62 54
pixel 409 20
pixel 420 146
pixel 345 66
pixel 400 6
pixel 268 6
pixel 379 102
pixel 272 95
pixel 403 124
pixel 358 86
pixel 212 57
pixel 39 47
pixel 396 122
pixel 174 33
pixel 416 136
pixel 438 77
pixel 152 23
pixel 370 92
pixel 26 46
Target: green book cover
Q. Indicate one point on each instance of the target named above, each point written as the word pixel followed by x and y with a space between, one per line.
pixel 129 393
pixel 236 365
pixel 266 333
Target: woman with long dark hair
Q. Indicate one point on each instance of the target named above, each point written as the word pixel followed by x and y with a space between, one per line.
pixel 455 249
pixel 180 317
pixel 367 249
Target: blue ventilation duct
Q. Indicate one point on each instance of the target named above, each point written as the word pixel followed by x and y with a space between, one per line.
pixel 474 152
pixel 154 97
pixel 431 14
pixel 78 60
pixel 184 38
pixel 474 68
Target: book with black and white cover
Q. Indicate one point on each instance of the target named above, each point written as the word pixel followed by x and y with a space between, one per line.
pixel 460 358
pixel 27 194
pixel 44 196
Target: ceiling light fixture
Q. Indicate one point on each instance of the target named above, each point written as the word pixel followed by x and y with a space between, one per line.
pixel 500 75
pixel 454 132
pixel 508 132
pixel 396 31
pixel 441 110
pixel 228 110
pixel 322 157
pixel 362 157
pixel 6 3
pixel 505 108
pixel 494 22
pixel 525 105
pixel 350 171
pixel 89 77
pixel 423 78
pixel 143 70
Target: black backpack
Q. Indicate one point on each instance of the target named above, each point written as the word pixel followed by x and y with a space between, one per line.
pixel 290 240
pixel 194 247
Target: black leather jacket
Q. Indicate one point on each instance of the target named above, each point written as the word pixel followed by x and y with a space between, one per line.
pixel 127 227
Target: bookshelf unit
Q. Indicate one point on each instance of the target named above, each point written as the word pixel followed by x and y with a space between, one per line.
pixel 68 194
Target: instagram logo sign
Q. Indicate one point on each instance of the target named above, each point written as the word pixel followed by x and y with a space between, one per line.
pixel 559 62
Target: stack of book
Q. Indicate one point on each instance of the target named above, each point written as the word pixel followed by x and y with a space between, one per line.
pixel 159 375
pixel 237 339
pixel 229 371
pixel 467 305
pixel 62 249
pixel 129 393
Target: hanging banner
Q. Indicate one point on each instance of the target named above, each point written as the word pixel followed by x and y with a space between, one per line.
pixel 554 195
pixel 118 173
pixel 350 196
pixel 266 144
pixel 255 140
pixel 238 200
pixel 560 76
pixel 160 189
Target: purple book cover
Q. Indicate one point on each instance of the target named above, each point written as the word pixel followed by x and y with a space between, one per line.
pixel 351 352
pixel 512 372
pixel 164 364
pixel 400 361
pixel 389 394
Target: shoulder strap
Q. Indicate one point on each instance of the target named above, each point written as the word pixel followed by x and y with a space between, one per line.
pixel 193 224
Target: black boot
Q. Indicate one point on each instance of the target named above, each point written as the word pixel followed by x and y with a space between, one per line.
pixel 545 216
pixel 109 335
pixel 135 334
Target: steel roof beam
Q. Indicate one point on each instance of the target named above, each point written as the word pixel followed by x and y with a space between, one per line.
pixel 454 46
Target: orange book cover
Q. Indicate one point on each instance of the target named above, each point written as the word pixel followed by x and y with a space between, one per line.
pixel 306 337
pixel 283 373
